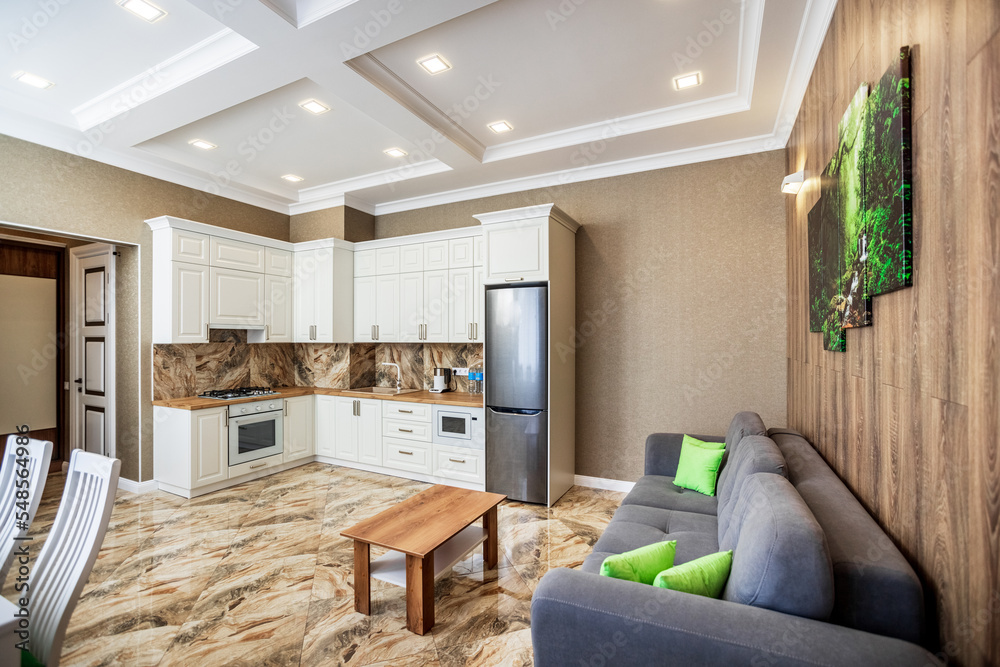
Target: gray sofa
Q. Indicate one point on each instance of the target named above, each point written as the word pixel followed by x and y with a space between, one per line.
pixel 814 580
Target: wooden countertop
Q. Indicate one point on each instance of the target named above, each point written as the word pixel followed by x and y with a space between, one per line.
pixel 448 398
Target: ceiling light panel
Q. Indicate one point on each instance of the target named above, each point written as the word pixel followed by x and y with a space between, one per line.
pixel 292 178
pixel 314 106
pixel 144 10
pixel 395 152
pixel 687 80
pixel 501 126
pixel 33 80
pixel 202 144
pixel 434 64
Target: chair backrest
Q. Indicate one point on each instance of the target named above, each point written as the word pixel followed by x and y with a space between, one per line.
pixel 14 479
pixel 70 550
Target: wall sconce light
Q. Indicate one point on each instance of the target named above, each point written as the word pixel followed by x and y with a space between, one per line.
pixel 792 183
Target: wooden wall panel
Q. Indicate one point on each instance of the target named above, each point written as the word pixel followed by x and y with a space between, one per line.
pixel 910 415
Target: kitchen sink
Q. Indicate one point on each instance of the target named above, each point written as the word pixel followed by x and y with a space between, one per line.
pixel 381 391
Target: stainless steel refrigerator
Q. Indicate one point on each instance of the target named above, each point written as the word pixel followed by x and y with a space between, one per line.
pixel 517 387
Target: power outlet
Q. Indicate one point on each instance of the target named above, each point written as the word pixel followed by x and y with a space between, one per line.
pixel 462 372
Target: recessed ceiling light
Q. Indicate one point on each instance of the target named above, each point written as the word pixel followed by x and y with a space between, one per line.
pixel 144 10
pixel 687 80
pixel 32 80
pixel 395 152
pixel 501 126
pixel 312 106
pixel 292 178
pixel 434 64
pixel 202 144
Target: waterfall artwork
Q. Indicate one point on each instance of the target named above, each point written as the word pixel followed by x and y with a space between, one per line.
pixel 860 230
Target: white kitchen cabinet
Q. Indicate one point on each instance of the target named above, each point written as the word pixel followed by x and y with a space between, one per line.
pixel 184 316
pixel 386 261
pixel 435 255
pixel 237 298
pixel 407 455
pixel 190 247
pixel 278 320
pixel 387 308
pixel 326 431
pixel 278 262
pixel 358 430
pixel 192 448
pixel 364 309
pixel 231 254
pixel 411 258
pixel 435 306
pixel 411 307
pixel 517 251
pixel 324 295
pixel 299 427
pixel 460 253
pixel 477 251
pixel 465 305
pixel 459 463
pixel 364 263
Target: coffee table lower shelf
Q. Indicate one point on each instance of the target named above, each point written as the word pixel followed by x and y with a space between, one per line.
pixel 391 566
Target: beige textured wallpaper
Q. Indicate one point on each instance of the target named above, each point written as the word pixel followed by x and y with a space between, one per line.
pixel 49 189
pixel 680 300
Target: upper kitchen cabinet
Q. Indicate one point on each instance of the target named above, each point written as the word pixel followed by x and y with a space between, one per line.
pixel 411 258
pixel 435 255
pixel 461 253
pixel 230 254
pixel 181 289
pixel 190 247
pixel 521 245
pixel 324 294
pixel 278 262
pixel 237 298
pixel 364 263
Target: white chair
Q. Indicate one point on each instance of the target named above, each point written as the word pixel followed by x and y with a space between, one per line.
pixel 70 550
pixel 39 452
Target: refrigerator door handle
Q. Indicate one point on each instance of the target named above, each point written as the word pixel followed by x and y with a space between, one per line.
pixel 513 411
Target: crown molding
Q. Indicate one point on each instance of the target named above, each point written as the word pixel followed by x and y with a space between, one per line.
pixel 751 24
pixel 589 173
pixel 209 54
pixel 816 20
pixel 332 194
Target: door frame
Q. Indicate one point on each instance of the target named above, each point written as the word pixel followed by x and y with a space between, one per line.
pixel 76 341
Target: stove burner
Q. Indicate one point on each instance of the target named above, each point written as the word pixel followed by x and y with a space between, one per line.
pixel 240 392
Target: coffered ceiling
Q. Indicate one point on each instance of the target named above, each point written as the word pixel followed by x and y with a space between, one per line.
pixel 588 89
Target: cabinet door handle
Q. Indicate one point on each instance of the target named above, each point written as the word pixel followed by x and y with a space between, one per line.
pixel 513 280
pixel 457 460
pixel 267 332
pixel 401 451
pixel 406 430
pixel 260 465
pixel 286 408
pixel 475 331
pixel 376 332
pixel 470 331
pixel 407 412
pixel 207 334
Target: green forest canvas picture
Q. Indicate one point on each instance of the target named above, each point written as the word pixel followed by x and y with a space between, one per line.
pixel 888 189
pixel 860 230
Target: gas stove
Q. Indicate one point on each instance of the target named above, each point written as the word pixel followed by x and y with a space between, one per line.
pixel 240 392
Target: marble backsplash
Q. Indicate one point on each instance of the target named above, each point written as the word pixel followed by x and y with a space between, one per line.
pixel 229 361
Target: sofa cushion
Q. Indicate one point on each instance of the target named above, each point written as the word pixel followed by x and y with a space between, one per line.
pixel 743 424
pixel 780 556
pixel 659 491
pixel 756 453
pixel 876 588
pixel 668 521
pixel 622 536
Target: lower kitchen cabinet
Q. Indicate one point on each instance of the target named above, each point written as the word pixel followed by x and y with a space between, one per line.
pixel 299 427
pixel 326 433
pixel 194 449
pixel 459 463
pixel 407 455
pixel 358 430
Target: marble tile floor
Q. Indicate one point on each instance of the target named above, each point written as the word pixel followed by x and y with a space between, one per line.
pixel 258 574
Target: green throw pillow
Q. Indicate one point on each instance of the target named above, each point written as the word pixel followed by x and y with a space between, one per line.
pixel 642 564
pixel 698 467
pixel 705 576
pixel 688 440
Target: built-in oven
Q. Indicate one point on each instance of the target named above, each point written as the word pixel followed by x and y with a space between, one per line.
pixel 459 427
pixel 256 430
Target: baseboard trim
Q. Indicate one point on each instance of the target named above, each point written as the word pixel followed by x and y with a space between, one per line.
pixel 603 483
pixel 137 487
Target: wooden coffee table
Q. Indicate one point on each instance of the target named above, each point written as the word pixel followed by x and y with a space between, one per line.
pixel 426 535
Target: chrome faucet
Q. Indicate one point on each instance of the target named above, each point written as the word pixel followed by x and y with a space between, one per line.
pixel 399 378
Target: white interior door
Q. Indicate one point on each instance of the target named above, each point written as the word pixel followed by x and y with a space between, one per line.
pixel 92 348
